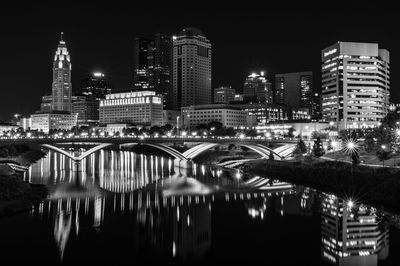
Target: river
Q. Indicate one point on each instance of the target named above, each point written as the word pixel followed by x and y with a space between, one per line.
pixel 118 207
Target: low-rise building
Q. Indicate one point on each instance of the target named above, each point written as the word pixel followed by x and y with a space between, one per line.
pixel 25 123
pixel 268 113
pixel 142 108
pixel 7 127
pixel 54 120
pixel 227 115
pixel 224 94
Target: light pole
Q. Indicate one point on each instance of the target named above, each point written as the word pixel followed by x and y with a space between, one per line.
pixel 334 144
pixel 177 125
pixel 383 155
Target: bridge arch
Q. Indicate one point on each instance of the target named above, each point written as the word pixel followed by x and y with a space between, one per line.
pixel 260 149
pixel 171 151
pixel 80 157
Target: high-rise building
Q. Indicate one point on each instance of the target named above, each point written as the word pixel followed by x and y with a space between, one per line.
pixel 96 84
pixel 191 68
pixel 316 111
pixel 355 84
pixel 224 94
pixel 62 87
pixel 294 89
pixel 163 68
pixel 143 54
pixel 153 66
pixel 258 88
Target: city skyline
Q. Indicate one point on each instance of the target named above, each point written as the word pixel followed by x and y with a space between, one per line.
pixel 108 46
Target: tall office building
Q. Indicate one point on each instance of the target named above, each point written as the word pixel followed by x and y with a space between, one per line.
pixel 163 68
pixel 258 88
pixel 143 52
pixel 96 85
pixel 294 89
pixel 191 68
pixel 62 87
pixel 224 94
pixel 355 84
pixel 153 66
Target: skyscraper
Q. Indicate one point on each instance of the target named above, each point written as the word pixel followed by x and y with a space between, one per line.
pixel 153 66
pixel 143 55
pixel 294 89
pixel 191 68
pixel 96 84
pixel 62 87
pixel 257 88
pixel 355 84
pixel 163 68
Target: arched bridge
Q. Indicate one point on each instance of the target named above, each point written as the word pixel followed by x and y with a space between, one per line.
pixel 257 145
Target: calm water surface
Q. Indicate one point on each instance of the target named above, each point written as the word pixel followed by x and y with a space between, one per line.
pixel 118 207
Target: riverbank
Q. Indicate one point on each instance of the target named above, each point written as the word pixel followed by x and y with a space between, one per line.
pixel 17 195
pixel 374 186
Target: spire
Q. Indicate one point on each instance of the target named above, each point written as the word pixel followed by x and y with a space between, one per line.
pixel 61 39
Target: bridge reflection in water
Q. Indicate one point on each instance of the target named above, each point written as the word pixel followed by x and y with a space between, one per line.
pixel 112 184
pixel 122 182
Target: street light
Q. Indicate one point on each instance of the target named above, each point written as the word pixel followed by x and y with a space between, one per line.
pixel 383 147
pixel 177 125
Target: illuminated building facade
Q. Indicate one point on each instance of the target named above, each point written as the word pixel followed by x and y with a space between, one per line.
pixel 191 68
pixel 258 88
pixel 269 113
pixel 143 108
pixel 355 84
pixel 224 94
pixel 62 87
pixel 227 115
pixel 55 120
pixel 294 89
pixel 351 235
pixel 46 104
pixel 153 66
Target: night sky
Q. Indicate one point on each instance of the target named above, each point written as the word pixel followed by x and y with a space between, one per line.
pixel 100 38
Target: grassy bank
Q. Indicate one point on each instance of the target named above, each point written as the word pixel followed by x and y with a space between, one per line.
pixel 377 186
pixel 15 194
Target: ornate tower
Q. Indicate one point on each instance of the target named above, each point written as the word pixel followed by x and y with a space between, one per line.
pixel 62 87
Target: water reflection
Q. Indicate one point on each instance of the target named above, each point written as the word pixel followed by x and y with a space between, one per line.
pixel 170 211
pixel 351 234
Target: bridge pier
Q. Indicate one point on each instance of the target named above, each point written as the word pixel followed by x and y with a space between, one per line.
pixel 184 164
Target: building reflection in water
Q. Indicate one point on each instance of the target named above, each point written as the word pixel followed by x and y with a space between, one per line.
pixel 129 184
pixel 179 226
pixel 351 234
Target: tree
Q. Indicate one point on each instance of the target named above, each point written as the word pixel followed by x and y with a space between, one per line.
pixel 369 143
pixel 318 148
pixel 290 133
pixel 301 148
pixel 329 145
pixel 355 157
pixel 382 155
